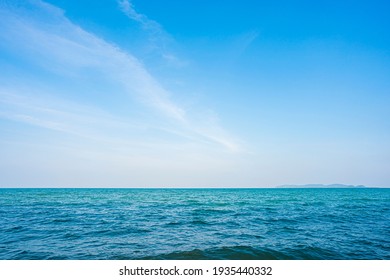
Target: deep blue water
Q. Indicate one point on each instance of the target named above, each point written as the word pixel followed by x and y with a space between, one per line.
pixel 194 223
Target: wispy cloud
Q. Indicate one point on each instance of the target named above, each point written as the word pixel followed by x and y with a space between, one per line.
pixel 128 8
pixel 30 106
pixel 50 40
pixel 159 39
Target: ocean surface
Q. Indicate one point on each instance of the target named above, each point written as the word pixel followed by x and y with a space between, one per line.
pixel 194 224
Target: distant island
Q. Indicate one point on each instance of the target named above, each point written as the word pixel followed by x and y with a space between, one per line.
pixel 322 186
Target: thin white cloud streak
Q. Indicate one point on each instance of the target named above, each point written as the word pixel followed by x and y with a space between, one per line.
pixel 159 39
pixel 245 40
pixel 101 154
pixel 90 132
pixel 51 40
pixel 75 48
pixel 59 115
pixel 128 8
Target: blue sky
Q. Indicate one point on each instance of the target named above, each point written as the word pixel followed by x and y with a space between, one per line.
pixel 119 93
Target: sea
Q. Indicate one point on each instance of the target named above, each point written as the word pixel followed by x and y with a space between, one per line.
pixel 193 224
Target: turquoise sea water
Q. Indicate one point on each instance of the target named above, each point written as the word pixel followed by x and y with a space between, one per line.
pixel 194 223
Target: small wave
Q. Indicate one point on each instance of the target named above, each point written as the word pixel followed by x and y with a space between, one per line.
pixel 211 211
pixel 173 224
pixel 223 253
pixel 14 229
pixel 61 220
pixel 251 253
pixel 199 222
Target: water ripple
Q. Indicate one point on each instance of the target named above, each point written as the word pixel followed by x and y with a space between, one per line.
pixel 194 224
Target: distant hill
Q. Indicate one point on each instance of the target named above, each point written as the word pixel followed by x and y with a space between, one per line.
pixel 321 186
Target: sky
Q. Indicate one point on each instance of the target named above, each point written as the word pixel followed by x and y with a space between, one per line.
pixel 143 93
